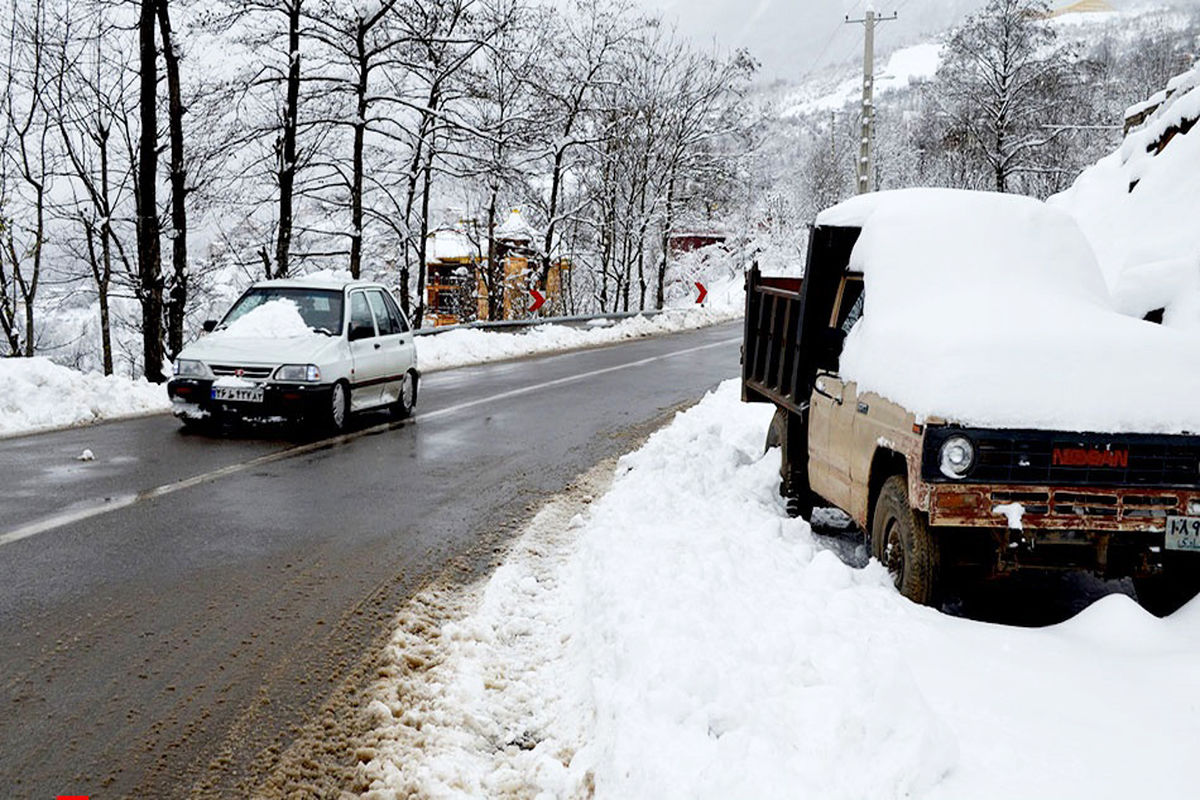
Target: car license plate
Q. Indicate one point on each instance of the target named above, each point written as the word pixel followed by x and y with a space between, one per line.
pixel 238 394
pixel 1183 533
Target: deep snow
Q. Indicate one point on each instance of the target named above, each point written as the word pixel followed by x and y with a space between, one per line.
pixel 990 309
pixel 684 639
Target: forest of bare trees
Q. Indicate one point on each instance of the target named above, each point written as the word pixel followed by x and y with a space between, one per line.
pixel 161 154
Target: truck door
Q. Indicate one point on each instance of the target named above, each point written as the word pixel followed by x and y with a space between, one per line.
pixel 834 403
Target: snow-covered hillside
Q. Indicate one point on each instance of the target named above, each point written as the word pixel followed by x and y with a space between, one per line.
pixel 1140 206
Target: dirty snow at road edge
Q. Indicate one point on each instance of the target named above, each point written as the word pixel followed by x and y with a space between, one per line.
pixel 682 638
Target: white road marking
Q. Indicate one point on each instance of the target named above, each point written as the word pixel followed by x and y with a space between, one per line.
pixel 124 501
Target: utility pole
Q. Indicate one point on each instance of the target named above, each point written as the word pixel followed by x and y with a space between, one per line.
pixel 869 20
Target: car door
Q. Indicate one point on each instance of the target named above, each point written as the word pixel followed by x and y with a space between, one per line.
pixel 393 357
pixel 408 347
pixel 834 405
pixel 366 353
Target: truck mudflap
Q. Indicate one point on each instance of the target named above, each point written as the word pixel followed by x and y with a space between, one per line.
pixel 1042 508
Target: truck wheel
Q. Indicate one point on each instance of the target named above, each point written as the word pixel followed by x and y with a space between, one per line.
pixel 901 541
pixel 1179 582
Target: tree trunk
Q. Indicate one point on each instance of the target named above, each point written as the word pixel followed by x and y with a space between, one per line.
pixel 287 156
pixel 177 301
pixel 494 272
pixel 360 129
pixel 660 283
pixel 427 176
pixel 150 286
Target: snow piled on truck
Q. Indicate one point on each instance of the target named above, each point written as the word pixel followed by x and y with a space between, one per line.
pixel 1147 237
pixel 989 309
pixel 682 638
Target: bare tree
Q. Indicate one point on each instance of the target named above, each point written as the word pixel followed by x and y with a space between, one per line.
pixel 1003 78
pixel 150 278
pixel 27 152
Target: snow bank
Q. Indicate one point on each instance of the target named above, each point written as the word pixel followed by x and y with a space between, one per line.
pixel 465 346
pixel 274 319
pixel 36 393
pixel 685 639
pixel 1147 240
pixel 989 309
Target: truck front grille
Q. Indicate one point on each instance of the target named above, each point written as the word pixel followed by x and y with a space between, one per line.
pixel 1051 458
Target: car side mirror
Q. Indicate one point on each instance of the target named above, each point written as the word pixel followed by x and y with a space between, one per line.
pixel 210 325
pixel 360 332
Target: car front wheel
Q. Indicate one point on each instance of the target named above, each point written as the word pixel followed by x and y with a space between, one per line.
pixel 337 411
pixel 902 542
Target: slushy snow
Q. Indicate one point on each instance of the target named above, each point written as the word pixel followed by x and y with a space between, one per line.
pixel 684 638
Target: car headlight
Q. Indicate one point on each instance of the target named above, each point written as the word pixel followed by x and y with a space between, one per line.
pixel 956 457
pixel 190 368
pixel 298 372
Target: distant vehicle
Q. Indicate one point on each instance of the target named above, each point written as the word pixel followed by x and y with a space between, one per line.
pixel 312 351
pixel 943 492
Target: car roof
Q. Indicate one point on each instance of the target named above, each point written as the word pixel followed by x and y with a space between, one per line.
pixel 315 282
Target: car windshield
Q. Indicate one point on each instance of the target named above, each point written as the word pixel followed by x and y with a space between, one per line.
pixel 321 309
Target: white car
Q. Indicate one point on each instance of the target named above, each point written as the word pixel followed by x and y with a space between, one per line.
pixel 310 350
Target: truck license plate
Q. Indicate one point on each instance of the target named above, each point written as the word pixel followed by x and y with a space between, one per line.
pixel 239 394
pixel 1183 533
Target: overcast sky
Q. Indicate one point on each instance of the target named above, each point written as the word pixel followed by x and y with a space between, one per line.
pixel 791 37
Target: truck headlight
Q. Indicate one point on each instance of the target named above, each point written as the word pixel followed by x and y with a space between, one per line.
pixel 298 372
pixel 956 457
pixel 190 368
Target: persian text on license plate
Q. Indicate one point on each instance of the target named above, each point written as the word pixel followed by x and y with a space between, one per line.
pixel 1183 533
pixel 239 394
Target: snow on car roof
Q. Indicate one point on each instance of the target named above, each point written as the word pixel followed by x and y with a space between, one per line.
pixel 324 279
pixel 990 309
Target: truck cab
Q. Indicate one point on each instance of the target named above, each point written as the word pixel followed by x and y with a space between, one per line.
pixel 938 495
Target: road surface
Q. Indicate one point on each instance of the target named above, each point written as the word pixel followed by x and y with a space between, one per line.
pixel 174 612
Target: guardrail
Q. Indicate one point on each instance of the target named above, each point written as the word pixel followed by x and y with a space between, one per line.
pixel 521 324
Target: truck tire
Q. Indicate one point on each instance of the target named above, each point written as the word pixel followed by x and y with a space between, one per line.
pixel 902 542
pixel 1179 582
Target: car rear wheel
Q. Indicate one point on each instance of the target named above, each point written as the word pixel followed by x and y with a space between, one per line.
pixel 902 542
pixel 407 401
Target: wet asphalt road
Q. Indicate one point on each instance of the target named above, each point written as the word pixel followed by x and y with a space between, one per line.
pixel 177 643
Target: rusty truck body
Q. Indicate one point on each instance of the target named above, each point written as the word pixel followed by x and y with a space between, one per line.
pixel 936 497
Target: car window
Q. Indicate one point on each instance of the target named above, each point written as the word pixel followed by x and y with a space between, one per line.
pixel 386 324
pixel 321 309
pixel 401 322
pixel 360 314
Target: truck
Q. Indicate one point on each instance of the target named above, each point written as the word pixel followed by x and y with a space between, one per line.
pixel 946 496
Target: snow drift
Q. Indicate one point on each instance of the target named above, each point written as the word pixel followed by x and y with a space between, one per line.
pixel 1139 207
pixel 685 639
pixel 36 393
pixel 988 309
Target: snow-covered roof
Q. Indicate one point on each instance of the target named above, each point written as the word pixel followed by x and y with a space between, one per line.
pixel 450 244
pixel 516 229
pixel 990 309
